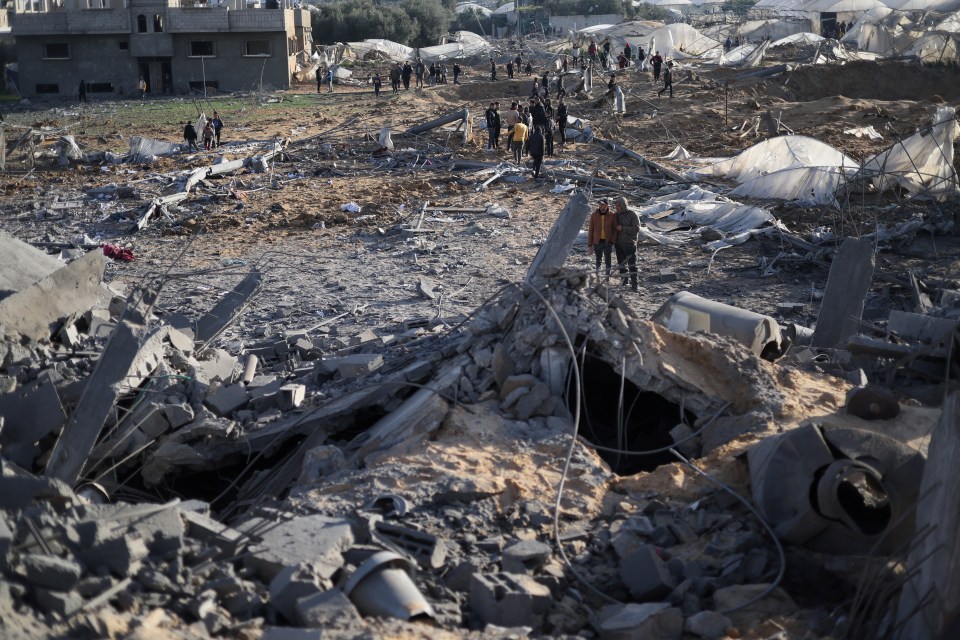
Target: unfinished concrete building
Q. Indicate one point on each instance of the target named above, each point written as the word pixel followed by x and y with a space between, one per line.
pixel 176 46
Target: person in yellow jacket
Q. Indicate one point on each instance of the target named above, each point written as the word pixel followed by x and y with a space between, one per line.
pixel 520 134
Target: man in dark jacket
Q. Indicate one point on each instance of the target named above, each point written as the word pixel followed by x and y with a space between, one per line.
pixel 628 229
pixel 656 61
pixel 395 78
pixel 405 74
pixel 667 80
pixel 419 69
pixel 493 70
pixel 535 145
pixel 538 114
pixel 493 124
pixel 190 135
pixel 562 120
pixel 510 70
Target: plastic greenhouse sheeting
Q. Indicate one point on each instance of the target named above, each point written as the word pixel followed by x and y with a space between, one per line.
pixel 786 167
pixel 798 39
pixel 671 38
pixel 389 50
pixel 923 163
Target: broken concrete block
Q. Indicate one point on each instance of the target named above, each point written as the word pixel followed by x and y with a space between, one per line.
pixel 214 365
pixel 290 396
pixel 291 633
pixel 17 492
pixel 50 572
pixel 30 413
pixel 321 462
pixel 358 365
pixel 428 550
pixel 205 529
pixel 508 600
pixel 227 400
pixel 99 321
pixel 512 383
pixel 640 622
pixel 180 341
pixel 316 539
pixel 646 575
pixel 502 364
pixel 732 598
pixel 102 545
pixel 62 603
pixel 327 609
pixel 667 275
pixel 425 289
pixel 363 338
pixel 292 584
pixel 525 556
pixel 178 414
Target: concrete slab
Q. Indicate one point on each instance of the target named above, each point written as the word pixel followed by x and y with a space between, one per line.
pixel 30 414
pixel 640 622
pixel 50 572
pixel 508 600
pixel 22 265
pixel 646 575
pixel 227 399
pixel 315 539
pixel 35 311
pixel 328 609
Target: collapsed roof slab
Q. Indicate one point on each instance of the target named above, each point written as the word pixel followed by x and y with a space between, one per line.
pixel 22 265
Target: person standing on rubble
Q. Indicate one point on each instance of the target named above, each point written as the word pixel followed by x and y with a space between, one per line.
pixel 510 70
pixel 520 135
pixel 545 84
pixel 330 80
pixel 433 73
pixel 535 145
pixel 535 91
pixel 377 84
pixel 562 121
pixel 319 75
pixel 592 50
pixel 456 73
pixel 627 51
pixel 83 91
pixel 656 61
pixel 667 80
pixel 142 87
pixel 641 57
pixel 492 118
pixel 497 123
pixel 548 126
pixel 208 134
pixel 511 118
pixel 529 68
pixel 493 70
pixel 538 114
pixel 190 135
pixel 601 235
pixel 443 73
pixel 628 229
pixel 518 64
pixel 405 75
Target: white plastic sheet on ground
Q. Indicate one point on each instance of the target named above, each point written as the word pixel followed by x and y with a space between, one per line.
pixel 388 50
pixel 923 163
pixel 140 147
pixel 860 132
pixel 705 209
pixel 788 168
pixel 799 39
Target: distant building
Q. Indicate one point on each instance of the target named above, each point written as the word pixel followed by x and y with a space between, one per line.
pixel 177 46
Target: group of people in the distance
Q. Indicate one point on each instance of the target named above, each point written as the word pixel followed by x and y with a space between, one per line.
pixel 210 133
pixel 530 129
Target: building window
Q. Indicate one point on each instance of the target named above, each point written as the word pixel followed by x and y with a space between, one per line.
pixel 100 87
pixel 124 45
pixel 202 49
pixel 48 88
pixel 256 48
pixel 158 23
pixel 56 51
pixel 198 86
pixel 141 23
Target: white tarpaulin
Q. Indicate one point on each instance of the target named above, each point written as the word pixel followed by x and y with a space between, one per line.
pixel 675 40
pixel 786 167
pixel 798 39
pixel 923 163
pixel 140 147
pixel 389 50
pixel 936 48
pixel 472 6
pixel 875 31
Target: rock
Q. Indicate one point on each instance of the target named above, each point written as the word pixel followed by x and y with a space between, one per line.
pixel 502 364
pixel 525 556
pixel 227 399
pixel 707 624
pixel 508 600
pixel 290 585
pixel 513 383
pixel 60 602
pixel 640 622
pixel 775 604
pixel 646 575
pixel 327 609
pixel 50 572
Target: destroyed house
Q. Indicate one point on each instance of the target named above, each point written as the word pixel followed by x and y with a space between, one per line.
pixel 176 46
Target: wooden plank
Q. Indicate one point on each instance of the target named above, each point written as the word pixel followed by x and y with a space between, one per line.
pixel 847 286
pixel 930 600
pixel 553 252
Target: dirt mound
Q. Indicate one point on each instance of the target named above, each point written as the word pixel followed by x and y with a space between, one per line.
pixel 887 81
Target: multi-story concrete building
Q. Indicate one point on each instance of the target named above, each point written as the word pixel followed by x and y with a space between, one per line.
pixel 177 46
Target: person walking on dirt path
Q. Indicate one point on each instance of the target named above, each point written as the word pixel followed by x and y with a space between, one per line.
pixel 405 75
pixel 641 59
pixel 627 52
pixel 497 124
pixel 217 127
pixel 602 234
pixel 510 70
pixel 319 75
pixel 190 135
pixel 493 70
pixel 377 83
pixel 518 64
pixel 545 84
pixel 520 134
pixel 562 121
pixel 656 62
pixel 535 90
pixel 539 114
pixel 330 80
pixel 433 73
pixel 83 91
pixel 548 127
pixel 419 72
pixel 628 229
pixel 511 118
pixel 535 145
pixel 456 73
pixel 442 69
pixel 667 80
pixel 395 78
